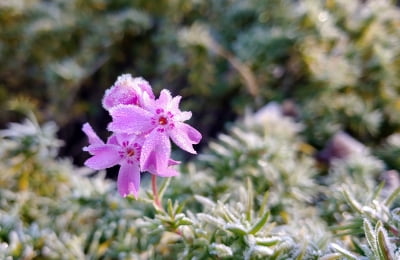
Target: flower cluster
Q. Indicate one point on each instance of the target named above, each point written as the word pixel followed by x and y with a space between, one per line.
pixel 142 127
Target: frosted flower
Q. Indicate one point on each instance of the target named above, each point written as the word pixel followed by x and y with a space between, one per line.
pixel 120 150
pixel 159 120
pixel 142 127
pixel 126 90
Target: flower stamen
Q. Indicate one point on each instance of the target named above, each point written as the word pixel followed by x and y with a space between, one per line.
pixel 130 152
pixel 163 120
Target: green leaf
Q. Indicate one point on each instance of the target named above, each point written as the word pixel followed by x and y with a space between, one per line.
pixel 263 204
pixel 185 222
pixel 384 244
pixel 370 236
pixel 352 202
pixel 236 229
pixel 389 200
pixel 334 256
pixel 343 251
pixel 269 241
pixel 170 208
pixel 300 256
pixel 260 224
pixel 250 198
pixel 180 207
pixel 378 191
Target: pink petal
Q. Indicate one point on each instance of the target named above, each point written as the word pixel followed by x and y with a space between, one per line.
pixel 167 172
pixel 184 136
pixel 144 86
pixel 128 181
pixel 164 99
pixel 122 92
pixel 172 162
pixel 130 119
pixel 123 137
pixel 104 156
pixel 148 102
pixel 92 136
pixel 156 152
pixel 119 95
pixel 112 140
pixel 183 116
pixel 174 104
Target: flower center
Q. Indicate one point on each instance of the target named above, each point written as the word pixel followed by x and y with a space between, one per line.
pixel 130 152
pixel 163 120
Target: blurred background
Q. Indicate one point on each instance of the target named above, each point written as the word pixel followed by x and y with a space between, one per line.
pixel 334 64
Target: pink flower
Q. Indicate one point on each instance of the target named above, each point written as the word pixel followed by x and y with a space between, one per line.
pixel 159 121
pixel 127 90
pixel 120 149
pixel 142 127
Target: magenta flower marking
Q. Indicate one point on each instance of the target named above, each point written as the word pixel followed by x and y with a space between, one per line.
pixel 142 128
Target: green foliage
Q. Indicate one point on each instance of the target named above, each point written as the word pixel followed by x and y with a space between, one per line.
pixel 338 60
pixel 390 151
pixel 256 193
pixel 53 47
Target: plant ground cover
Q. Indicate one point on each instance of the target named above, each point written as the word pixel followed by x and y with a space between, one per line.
pixel 300 155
